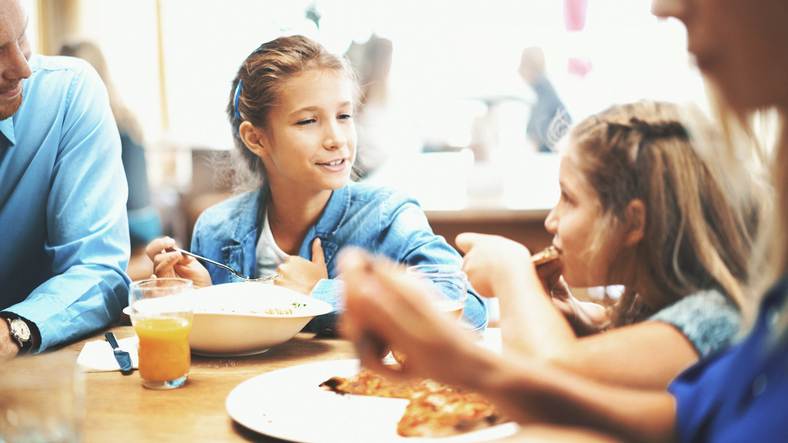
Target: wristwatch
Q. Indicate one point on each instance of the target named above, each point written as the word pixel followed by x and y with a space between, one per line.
pixel 20 331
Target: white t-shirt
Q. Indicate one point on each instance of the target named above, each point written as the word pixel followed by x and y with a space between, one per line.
pixel 269 255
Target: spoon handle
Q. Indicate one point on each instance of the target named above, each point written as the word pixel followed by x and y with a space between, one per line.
pixel 208 260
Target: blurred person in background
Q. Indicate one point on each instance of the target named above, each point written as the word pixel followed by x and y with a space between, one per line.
pixel 372 61
pixel 62 198
pixel 144 221
pixel 292 109
pixel 549 119
pixel 737 395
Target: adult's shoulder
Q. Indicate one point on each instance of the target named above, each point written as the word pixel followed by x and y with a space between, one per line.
pixel 66 80
pixel 57 63
pixel 60 68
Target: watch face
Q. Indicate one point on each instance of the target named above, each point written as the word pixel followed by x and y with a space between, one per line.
pixel 20 330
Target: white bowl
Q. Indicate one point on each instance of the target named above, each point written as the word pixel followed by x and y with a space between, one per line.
pixel 236 319
pixel 246 318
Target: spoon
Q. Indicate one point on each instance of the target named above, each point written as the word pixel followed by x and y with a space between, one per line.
pixel 225 267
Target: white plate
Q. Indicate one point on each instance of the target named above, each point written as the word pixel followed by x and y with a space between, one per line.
pixel 289 404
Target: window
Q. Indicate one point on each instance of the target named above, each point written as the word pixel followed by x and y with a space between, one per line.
pixel 453 79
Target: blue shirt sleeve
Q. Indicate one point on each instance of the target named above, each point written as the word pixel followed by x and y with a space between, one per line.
pixel 409 239
pixel 329 291
pixel 400 231
pixel 87 228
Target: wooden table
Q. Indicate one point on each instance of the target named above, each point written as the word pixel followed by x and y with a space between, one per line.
pixel 118 408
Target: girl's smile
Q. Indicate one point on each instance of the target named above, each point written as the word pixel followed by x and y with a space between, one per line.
pixel 337 165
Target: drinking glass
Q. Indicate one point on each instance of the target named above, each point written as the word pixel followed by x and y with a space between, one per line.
pixel 41 398
pixel 449 286
pixel 449 283
pixel 161 313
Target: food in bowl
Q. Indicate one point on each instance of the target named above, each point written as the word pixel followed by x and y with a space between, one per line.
pixel 247 318
pixel 247 308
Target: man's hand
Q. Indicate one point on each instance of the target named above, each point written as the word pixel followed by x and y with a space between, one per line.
pixel 302 275
pixel 8 347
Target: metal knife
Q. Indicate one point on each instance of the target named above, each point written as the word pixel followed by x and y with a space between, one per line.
pixel 123 357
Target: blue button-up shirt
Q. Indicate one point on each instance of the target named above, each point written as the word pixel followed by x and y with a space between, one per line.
pixel 63 227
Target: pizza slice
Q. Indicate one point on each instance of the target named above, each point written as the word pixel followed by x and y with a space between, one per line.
pixel 446 412
pixel 434 409
pixel 370 384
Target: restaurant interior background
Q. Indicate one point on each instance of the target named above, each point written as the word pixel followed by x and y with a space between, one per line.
pixel 446 112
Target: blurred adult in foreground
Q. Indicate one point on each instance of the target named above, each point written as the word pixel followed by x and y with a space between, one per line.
pixel 62 197
pixel 738 395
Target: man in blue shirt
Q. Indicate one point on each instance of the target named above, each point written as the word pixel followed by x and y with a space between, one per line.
pixel 63 226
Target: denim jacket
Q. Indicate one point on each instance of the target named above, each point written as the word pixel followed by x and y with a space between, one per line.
pixel 373 218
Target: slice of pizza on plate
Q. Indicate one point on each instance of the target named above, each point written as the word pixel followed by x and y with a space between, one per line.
pixel 434 409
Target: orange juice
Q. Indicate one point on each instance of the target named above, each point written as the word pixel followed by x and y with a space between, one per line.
pixel 164 347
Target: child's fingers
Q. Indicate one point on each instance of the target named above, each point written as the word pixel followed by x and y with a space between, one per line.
pixel 165 261
pixel 158 245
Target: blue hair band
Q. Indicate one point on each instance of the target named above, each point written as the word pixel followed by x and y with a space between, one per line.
pixel 236 98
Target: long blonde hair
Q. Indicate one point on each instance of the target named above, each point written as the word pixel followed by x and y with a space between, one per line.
pixel 695 238
pixel 780 266
pixel 770 259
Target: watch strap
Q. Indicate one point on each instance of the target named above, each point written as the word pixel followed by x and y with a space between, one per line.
pixel 24 345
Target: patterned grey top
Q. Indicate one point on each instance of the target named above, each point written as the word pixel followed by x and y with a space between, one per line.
pixel 708 319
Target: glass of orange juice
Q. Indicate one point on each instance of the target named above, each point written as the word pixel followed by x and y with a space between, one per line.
pixel 161 313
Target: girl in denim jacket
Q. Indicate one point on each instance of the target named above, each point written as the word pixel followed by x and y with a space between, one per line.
pixel 291 108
